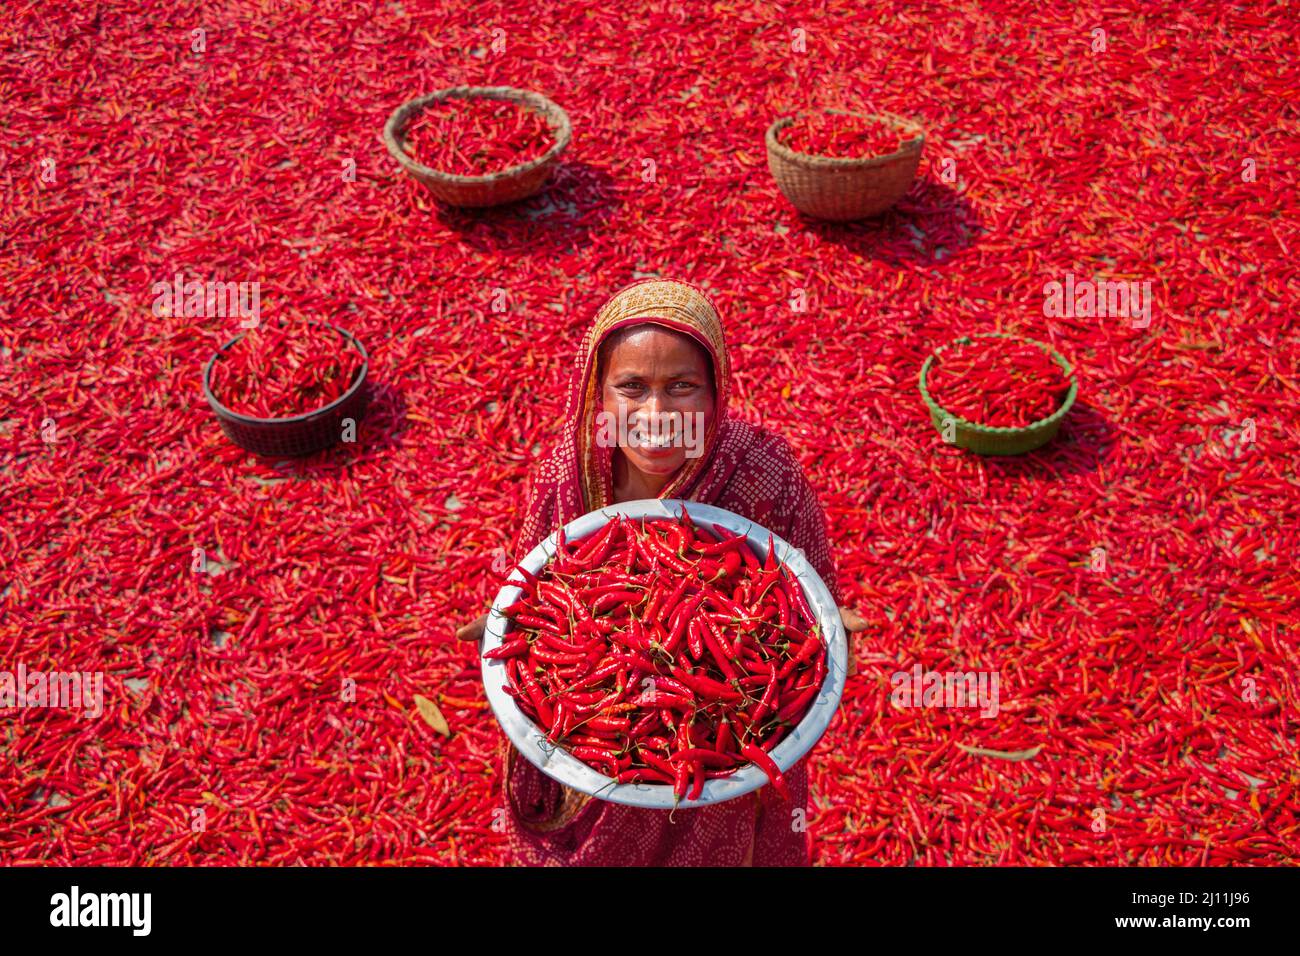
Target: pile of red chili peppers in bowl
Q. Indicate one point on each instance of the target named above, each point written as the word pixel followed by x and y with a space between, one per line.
pixel 998 381
pixel 841 136
pixel 283 371
pixel 662 652
pixel 477 136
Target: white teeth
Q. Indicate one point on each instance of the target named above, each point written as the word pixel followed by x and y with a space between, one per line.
pixel 663 441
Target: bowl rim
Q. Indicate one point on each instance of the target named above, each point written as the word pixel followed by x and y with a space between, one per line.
pixel 222 411
pixel 537 102
pixel 556 763
pixel 937 410
pixel 906 148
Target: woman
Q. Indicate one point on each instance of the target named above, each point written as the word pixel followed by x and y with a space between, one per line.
pixel 656 354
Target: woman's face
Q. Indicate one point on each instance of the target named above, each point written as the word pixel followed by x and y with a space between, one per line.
pixel 660 384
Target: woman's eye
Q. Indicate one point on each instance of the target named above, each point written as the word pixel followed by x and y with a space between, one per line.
pixel 638 388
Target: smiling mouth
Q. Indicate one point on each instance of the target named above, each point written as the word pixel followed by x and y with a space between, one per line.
pixel 655 445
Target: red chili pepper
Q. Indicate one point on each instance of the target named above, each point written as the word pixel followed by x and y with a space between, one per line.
pixel 619 724
pixel 682 621
pixel 657 762
pixel 554 643
pixel 769 698
pixel 709 689
pixel 725 741
pixel 697 786
pixel 671 603
pixel 677 537
pixel 536 695
pixel 747 555
pixel 508 649
pixel 731 562
pixel 789 712
pixel 638 661
pixel 595 548
pixel 806 652
pixel 603 670
pixel 585 697
pixel 646 723
pixel 558 722
pixel 662 698
pixel 794 591
pixel 672 686
pixel 695 639
pixel 729 542
pixel 550 656
pixel 782 607
pixel 710 757
pixel 513 609
pixel 720 654
pixel 768 766
pixel 643 774
pixel 611 600
pixel 681 780
pixel 537 623
pixel 594 755
pixel 659 552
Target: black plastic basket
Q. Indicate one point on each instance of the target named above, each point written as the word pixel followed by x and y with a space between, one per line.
pixel 297 435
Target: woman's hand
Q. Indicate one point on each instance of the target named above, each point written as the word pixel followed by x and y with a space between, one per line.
pixel 473 631
pixel 853 623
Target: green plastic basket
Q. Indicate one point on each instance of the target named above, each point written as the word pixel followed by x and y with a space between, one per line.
pixel 990 440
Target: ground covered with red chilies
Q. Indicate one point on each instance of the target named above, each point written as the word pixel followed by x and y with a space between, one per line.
pixel 1133 584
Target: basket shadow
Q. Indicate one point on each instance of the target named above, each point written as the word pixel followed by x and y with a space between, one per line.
pixel 930 225
pixel 380 428
pixel 384 423
pixel 578 199
pixel 1086 440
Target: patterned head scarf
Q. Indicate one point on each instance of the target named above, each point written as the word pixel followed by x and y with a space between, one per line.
pixel 674 305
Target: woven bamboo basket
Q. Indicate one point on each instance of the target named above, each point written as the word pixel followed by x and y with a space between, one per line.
pixel 988 439
pixel 838 189
pixel 503 186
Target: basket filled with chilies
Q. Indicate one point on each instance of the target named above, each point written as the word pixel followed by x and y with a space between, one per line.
pixel 660 653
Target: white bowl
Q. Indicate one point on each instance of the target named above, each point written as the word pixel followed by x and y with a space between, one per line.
pixel 556 763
